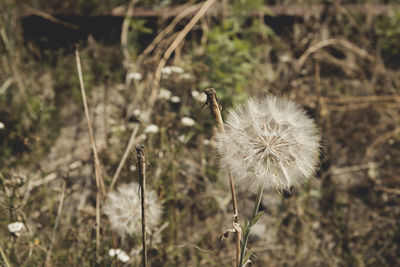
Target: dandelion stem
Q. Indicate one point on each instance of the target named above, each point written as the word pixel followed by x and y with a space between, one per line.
pixel 212 103
pixel 141 164
pixel 252 221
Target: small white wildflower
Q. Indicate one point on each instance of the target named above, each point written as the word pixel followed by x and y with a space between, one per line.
pixel 168 70
pixel 187 121
pixel 132 168
pixel 123 209
pixel 269 142
pixel 136 112
pixel 16 228
pixel 175 99
pixel 152 128
pixel 199 96
pixel 285 58
pixel 186 76
pixel 177 69
pixel 141 138
pixel 135 76
pixel 121 255
pixel 183 139
pixel 2 125
pixel 164 94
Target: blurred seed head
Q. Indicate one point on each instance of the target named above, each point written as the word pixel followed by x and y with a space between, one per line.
pixel 270 142
pixel 123 208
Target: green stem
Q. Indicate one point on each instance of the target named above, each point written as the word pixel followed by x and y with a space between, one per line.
pixel 250 224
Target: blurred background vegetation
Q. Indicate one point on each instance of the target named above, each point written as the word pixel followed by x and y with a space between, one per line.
pixel 338 59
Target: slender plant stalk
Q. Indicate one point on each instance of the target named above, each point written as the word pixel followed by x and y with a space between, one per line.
pixel 142 179
pixel 250 224
pixel 212 103
pixel 98 173
pixel 97 167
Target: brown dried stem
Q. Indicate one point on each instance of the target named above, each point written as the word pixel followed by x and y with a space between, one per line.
pixel 141 166
pixel 97 166
pixel 212 103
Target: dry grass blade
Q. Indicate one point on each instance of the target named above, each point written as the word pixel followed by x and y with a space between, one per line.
pixel 50 18
pixel 125 156
pixel 167 30
pixel 339 42
pixel 98 174
pixel 97 167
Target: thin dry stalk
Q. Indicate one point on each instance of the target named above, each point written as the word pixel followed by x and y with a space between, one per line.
pixel 212 103
pixel 141 166
pixel 57 222
pixel 97 166
pixel 98 173
pixel 105 111
pixel 125 156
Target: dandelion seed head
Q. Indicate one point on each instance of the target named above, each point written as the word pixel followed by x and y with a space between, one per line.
pixel 270 142
pixel 123 208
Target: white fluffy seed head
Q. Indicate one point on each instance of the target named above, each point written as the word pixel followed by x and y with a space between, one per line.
pixel 123 208
pixel 269 142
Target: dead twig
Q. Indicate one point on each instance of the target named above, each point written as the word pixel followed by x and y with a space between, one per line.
pixel 329 42
pixel 49 17
pixel 380 140
pixel 212 103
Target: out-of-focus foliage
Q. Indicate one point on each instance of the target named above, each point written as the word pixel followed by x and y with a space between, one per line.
pixel 233 48
pixel 388 29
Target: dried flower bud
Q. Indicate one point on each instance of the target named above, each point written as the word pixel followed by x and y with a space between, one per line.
pixel 269 142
